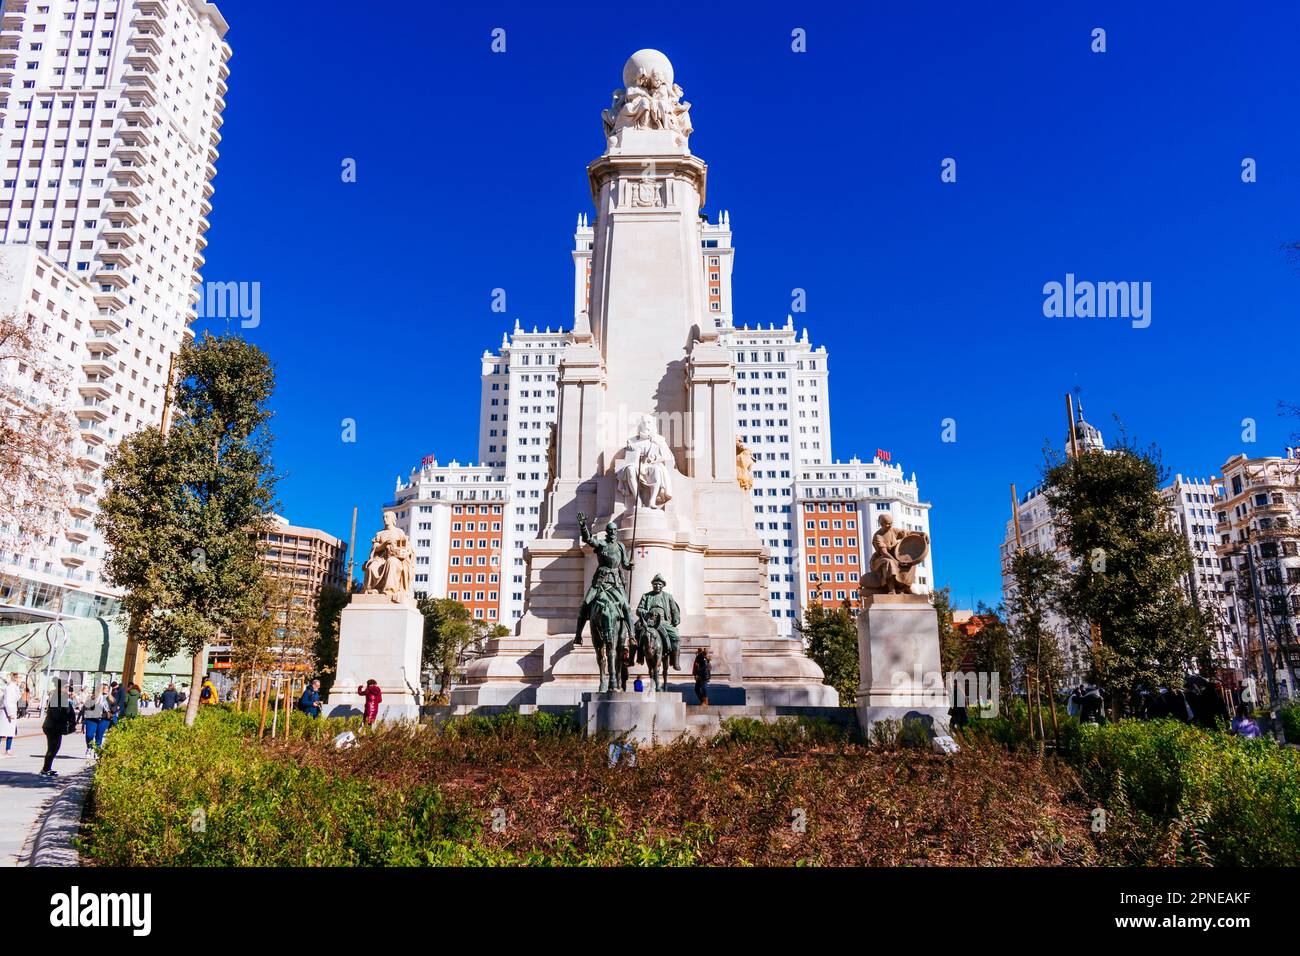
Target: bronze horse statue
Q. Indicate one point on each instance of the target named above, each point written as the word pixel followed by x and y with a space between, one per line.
pixel 653 648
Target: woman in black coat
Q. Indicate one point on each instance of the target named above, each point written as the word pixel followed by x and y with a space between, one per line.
pixel 60 718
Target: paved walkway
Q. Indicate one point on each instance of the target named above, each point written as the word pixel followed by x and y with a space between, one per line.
pixel 24 792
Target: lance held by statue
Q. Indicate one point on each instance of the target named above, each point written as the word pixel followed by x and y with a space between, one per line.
pixel 605 604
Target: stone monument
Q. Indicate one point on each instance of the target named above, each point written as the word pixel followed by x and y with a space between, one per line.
pixel 381 633
pixel 646 439
pixel 899 671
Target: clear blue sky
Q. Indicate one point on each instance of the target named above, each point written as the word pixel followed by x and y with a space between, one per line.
pixel 1125 165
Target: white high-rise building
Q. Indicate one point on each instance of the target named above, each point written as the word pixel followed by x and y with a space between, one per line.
pixel 109 123
pixel 782 409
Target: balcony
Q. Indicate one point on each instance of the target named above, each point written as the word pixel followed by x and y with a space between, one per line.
pixel 117 254
pixel 129 154
pixel 110 300
pixel 203 223
pixel 74 556
pixel 199 261
pixel 79 530
pixel 118 235
pixel 221 86
pixel 202 241
pixel 94 389
pixel 128 174
pixel 82 507
pixel 122 211
pixel 126 195
pixel 154 8
pixel 209 171
pixel 135 133
pixel 103 343
pixel 92 411
pixel 106 322
pixel 136 113
pixel 107 274
pixel 147 23
pixel 140 87
pixel 100 367
pixel 13 19
pixel 145 43
pixel 145 62
pixel 93 432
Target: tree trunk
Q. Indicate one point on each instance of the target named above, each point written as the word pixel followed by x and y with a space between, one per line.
pixel 196 686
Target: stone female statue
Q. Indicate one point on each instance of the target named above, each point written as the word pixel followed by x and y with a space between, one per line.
pixel 390 567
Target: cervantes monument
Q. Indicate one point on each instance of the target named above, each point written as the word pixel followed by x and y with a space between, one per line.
pixel 646 441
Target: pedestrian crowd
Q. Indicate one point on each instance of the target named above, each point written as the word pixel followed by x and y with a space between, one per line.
pixel 91 710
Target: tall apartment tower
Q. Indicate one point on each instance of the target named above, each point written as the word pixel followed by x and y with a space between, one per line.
pixel 110 113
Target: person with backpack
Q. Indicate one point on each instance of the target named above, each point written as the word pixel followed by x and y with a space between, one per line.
pixel 309 702
pixel 701 671
pixel 207 693
pixel 60 719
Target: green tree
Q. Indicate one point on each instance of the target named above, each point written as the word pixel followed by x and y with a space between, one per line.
pixel 183 509
pixel 1129 561
pixel 831 638
pixel 450 635
pixel 950 642
pixel 1034 588
pixel 990 648
pixel 329 608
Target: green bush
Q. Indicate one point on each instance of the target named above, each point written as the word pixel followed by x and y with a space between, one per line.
pixel 784 734
pixel 1291 723
pixel 210 795
pixel 511 724
pixel 1175 793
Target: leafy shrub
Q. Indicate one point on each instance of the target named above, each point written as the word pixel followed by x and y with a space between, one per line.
pixel 1175 793
pixel 784 734
pixel 1290 717
pixel 510 724
pixel 407 795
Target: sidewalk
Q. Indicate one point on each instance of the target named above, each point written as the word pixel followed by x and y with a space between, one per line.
pixel 23 791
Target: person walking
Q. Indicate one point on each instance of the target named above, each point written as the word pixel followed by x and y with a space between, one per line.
pixel 10 694
pixel 207 693
pixel 98 712
pixel 374 697
pixel 60 718
pixel 1243 725
pixel 117 694
pixel 131 704
pixel 309 703
pixel 170 697
pixel 701 671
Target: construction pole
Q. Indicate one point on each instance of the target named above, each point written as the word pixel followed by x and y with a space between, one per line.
pixel 264 685
pixel 352 546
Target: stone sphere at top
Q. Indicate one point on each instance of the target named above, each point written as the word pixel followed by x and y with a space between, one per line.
pixel 642 62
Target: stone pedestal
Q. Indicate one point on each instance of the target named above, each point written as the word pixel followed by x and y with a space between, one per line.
pixel 378 640
pixel 900 677
pixel 646 718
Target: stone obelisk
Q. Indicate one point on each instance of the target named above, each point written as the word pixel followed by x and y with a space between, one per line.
pixel 646 438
